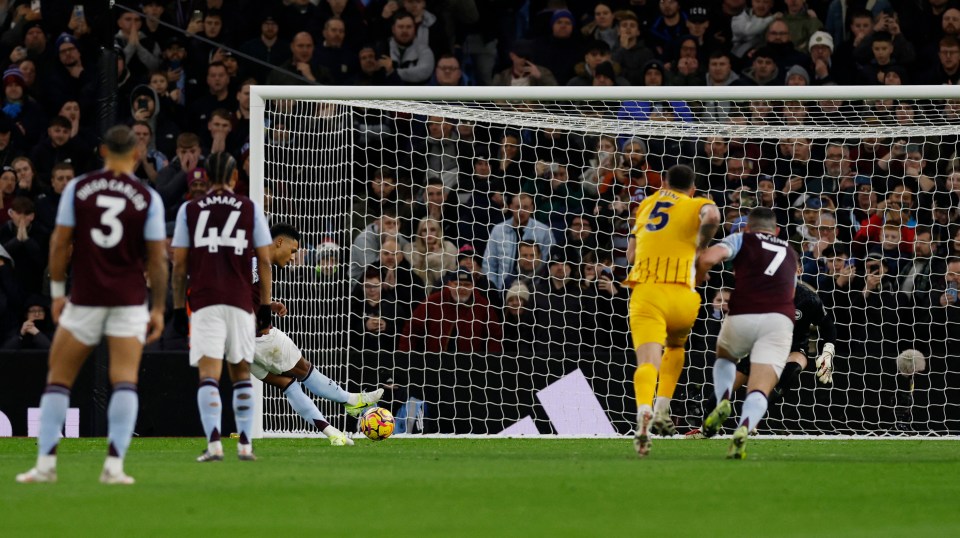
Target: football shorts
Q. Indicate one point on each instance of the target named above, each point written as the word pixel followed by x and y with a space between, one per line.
pixel 662 313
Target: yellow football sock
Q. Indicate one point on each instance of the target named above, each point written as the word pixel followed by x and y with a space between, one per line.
pixel 670 369
pixel 645 383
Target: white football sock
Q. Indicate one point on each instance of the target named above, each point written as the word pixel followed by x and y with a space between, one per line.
pixel 661 405
pixel 724 374
pixel 754 407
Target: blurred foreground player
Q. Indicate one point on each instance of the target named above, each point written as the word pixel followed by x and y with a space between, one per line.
pixel 214 239
pixel 108 223
pixel 278 361
pixel 671 227
pixel 760 323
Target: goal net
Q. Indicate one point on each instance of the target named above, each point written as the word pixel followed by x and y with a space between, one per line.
pixel 465 249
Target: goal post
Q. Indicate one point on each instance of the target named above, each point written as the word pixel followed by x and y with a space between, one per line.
pixel 862 178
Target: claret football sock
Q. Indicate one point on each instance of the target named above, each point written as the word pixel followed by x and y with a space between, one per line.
pixel 53 413
pixel 326 388
pixel 208 400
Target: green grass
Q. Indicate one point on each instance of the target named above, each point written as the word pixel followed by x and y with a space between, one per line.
pixel 502 487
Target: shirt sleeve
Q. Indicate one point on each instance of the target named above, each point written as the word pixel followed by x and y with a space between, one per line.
pixel 65 213
pixel 732 243
pixel 155 229
pixel 261 231
pixel 181 235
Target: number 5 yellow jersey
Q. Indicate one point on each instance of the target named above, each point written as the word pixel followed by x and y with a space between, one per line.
pixel 666 229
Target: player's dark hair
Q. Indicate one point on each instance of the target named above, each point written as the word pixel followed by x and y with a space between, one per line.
pixel 220 167
pixel 119 140
pixel 285 229
pixel 680 177
pixel 762 218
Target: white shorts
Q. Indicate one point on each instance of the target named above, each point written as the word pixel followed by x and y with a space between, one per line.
pixel 222 332
pixel 276 353
pixel 89 324
pixel 765 337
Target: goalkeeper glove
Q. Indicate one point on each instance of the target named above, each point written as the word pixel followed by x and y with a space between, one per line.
pixel 825 364
pixel 181 323
pixel 263 317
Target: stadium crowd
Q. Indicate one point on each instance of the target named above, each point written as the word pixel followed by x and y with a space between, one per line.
pixel 478 238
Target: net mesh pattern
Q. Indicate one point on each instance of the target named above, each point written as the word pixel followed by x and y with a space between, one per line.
pixel 394 197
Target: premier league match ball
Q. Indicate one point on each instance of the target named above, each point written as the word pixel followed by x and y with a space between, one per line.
pixel 376 423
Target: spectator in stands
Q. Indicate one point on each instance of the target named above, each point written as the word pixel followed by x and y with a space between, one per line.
pixel 579 240
pixel 29 183
pixel 603 25
pixel 268 47
pixel 56 147
pixel 381 193
pixel 872 71
pixel 556 196
pixel 597 53
pixel 404 57
pixel 634 172
pixel 605 297
pixel 448 72
pixel 172 180
pixel 218 136
pixel 333 54
pixel 518 322
pixel 780 48
pixel 886 25
pixel 684 66
pixel 68 79
pixel 529 269
pixel 559 51
pixel 25 244
pixel 36 332
pixel 821 67
pixel 455 319
pixel 27 115
pixel 70 109
pixel 298 17
pixel 469 259
pixel 374 314
pixel 601 166
pixel 501 252
pixel 397 275
pixel 8 191
pixel 46 207
pixel 151 28
pixel 558 309
pixel 748 27
pixel 874 298
pixel 802 22
pixel 629 50
pixel 300 66
pixel 431 256
pixel 522 70
pixel 370 71
pixel 218 95
pixel 435 202
pixel 947 69
pixel 366 247
pixel 145 106
pixel 764 70
pixel 141 54
pixel 666 30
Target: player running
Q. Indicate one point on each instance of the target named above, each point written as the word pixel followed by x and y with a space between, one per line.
pixel 809 311
pixel 760 323
pixel 671 227
pixel 214 239
pixel 108 223
pixel 279 362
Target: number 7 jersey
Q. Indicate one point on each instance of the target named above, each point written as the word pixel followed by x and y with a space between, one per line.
pixel 221 229
pixel 666 230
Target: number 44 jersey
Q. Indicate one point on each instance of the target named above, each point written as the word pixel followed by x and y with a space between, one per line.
pixel 666 228
pixel 221 229
pixel 112 216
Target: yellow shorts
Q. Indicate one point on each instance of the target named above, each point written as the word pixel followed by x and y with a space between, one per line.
pixel 662 313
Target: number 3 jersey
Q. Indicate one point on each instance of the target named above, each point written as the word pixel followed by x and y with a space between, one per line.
pixel 222 229
pixel 112 216
pixel 666 228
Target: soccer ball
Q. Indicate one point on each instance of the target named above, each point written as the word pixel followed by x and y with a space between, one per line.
pixel 376 423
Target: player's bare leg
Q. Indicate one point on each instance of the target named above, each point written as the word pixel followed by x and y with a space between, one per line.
pixel 324 387
pixel 304 406
pixel 763 377
pixel 208 401
pixel 67 355
pixel 125 354
pixel 243 408
pixel 649 356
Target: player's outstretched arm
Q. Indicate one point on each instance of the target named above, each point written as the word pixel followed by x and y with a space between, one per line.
pixel 708 258
pixel 158 274
pixel 60 244
pixel 180 258
pixel 709 222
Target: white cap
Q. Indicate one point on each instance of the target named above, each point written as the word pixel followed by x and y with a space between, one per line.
pixel 820 38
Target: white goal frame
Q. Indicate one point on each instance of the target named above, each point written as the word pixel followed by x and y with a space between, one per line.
pixel 259 94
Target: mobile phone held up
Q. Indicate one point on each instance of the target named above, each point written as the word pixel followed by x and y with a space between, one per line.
pixel 78 11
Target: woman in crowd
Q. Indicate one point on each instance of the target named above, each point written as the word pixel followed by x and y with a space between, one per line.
pixel 432 255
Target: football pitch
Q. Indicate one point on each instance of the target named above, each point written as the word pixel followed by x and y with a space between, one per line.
pixel 496 487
